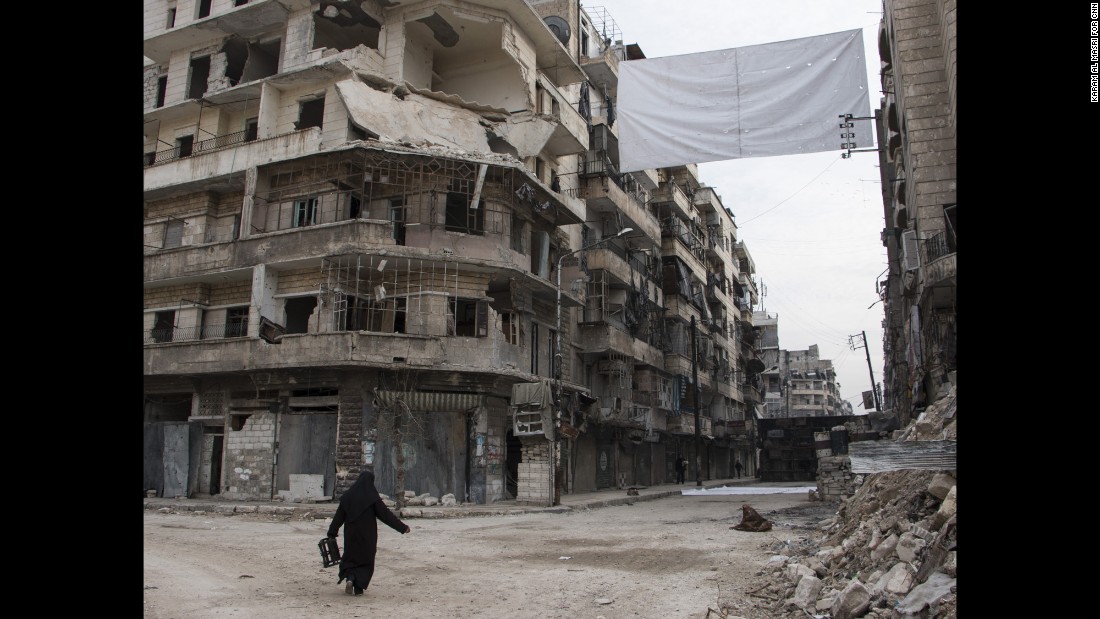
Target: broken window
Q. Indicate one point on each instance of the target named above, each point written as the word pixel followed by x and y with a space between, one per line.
pixel 173 233
pixel 185 145
pixel 310 114
pixel 397 218
pixel 517 233
pixel 150 158
pixel 949 227
pixel 162 89
pixel 251 129
pixel 509 326
pixel 305 212
pixel 204 8
pixel 164 323
pixel 200 73
pixel 248 61
pixel 471 318
pixel 236 321
pixel 298 311
pixel 356 133
pixel 460 217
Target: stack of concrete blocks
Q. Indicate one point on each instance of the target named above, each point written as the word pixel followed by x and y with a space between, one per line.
pixel 251 449
pixel 534 472
pixel 307 487
pixel 834 472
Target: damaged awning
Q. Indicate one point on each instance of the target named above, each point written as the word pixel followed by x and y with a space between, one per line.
pixel 430 401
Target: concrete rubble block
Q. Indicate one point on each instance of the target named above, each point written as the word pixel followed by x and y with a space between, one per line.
pixel 796 572
pixel 909 547
pixel 412 513
pixel 448 500
pixel 946 511
pixel 430 501
pixel 876 539
pixel 410 494
pixel 224 509
pixel 940 485
pixel 414 501
pixel 826 601
pixel 817 566
pixel 898 580
pixel 389 503
pixel 245 509
pixel 828 555
pixel 937 587
pixel 805 594
pixel 873 583
pixel 921 532
pixel 885 548
pixel 852 602
pixel 948 566
pixel 777 561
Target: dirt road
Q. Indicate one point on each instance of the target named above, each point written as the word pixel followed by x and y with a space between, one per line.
pixel 667 558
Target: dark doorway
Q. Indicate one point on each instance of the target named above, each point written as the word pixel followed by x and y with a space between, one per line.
pixel 298 312
pixel 512 457
pixel 216 465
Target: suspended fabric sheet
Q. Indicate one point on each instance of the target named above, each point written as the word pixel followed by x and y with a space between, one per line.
pixel 764 100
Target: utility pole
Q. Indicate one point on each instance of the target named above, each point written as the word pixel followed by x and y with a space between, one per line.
pixel 698 408
pixel 874 391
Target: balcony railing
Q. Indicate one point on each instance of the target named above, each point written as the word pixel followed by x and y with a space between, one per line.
pixel 205 332
pixel 205 146
pixel 938 245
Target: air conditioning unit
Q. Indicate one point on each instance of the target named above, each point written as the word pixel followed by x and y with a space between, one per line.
pixel 910 250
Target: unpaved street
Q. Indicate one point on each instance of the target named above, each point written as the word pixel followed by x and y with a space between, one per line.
pixel 664 558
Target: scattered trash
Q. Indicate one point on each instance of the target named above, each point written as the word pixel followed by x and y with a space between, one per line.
pixel 246 576
pixel 150 587
pixel 603 600
pixel 564 558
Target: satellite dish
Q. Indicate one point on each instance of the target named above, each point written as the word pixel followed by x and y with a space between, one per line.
pixel 559 27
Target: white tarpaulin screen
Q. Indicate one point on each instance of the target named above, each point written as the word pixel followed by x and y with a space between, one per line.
pixel 780 98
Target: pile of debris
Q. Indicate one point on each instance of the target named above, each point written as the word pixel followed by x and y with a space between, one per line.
pixel 889 552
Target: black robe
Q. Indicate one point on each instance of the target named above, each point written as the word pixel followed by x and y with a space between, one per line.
pixel 359 511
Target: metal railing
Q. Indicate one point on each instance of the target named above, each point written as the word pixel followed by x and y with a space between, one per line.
pixel 205 146
pixel 204 332
pixel 936 246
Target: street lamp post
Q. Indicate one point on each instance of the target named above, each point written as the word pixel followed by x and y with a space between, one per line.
pixel 557 346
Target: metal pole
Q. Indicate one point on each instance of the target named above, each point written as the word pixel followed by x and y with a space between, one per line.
pixel 698 408
pixel 878 404
pixel 557 359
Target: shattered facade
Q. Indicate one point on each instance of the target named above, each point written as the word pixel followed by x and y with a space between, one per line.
pixel 916 128
pixel 365 222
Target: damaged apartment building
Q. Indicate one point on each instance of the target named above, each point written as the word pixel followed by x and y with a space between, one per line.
pixel 917 161
pixel 385 231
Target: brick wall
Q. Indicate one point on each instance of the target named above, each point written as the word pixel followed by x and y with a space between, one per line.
pixel 248 456
pixel 534 472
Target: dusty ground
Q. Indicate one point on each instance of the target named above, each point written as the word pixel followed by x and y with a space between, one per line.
pixel 668 558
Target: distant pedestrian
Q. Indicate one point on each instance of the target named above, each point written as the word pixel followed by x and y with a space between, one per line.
pixel 681 468
pixel 359 512
pixel 738 467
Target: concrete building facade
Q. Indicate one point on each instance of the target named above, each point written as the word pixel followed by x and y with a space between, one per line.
pixel 916 128
pixel 365 223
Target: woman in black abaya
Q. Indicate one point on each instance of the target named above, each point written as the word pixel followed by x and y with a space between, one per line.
pixel 359 512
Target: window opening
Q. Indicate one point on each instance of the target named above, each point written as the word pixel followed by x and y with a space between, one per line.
pixel 200 73
pixel 310 114
pixel 236 321
pixel 162 89
pixel 171 17
pixel 164 323
pixel 305 212
pixel 204 8
pixel 397 217
pixel 185 145
pixel 459 216
pixel 173 233
pixel 251 129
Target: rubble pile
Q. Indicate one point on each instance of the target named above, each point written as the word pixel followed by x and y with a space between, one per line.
pixel 889 552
